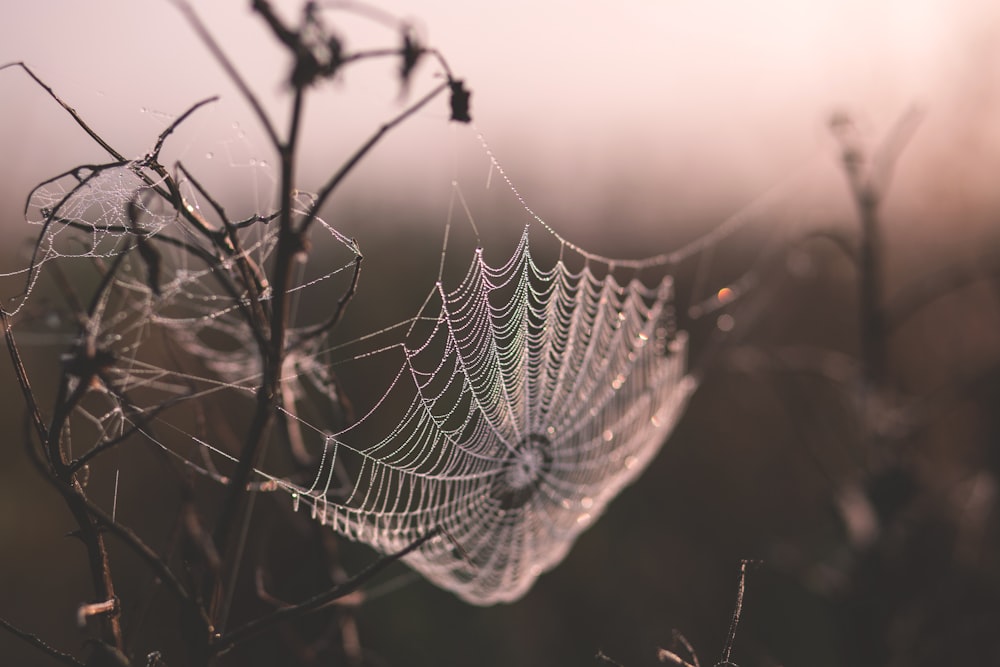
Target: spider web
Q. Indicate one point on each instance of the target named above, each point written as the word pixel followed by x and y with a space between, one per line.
pixel 535 396
pixel 516 404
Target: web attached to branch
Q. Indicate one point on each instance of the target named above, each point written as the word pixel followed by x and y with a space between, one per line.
pixel 533 398
pixel 514 406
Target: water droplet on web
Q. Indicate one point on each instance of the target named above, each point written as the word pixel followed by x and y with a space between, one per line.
pixel 295 502
pixel 618 381
pixel 583 518
pixel 608 435
pixel 586 502
pixel 209 155
pixel 253 162
pixel 725 322
pixel 630 462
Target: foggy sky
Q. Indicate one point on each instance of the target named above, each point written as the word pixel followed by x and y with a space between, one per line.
pixel 658 109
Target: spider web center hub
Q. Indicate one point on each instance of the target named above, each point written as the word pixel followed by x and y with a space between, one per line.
pixel 522 472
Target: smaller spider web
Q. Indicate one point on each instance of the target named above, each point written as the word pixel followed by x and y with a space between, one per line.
pixel 95 211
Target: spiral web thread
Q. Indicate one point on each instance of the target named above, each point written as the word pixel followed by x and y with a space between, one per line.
pixel 524 399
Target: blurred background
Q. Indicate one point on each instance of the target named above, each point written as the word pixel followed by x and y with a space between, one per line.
pixel 632 128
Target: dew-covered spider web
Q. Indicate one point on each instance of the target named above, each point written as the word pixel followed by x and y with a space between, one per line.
pixel 508 411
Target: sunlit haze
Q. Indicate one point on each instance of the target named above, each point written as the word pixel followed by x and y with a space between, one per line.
pixel 651 111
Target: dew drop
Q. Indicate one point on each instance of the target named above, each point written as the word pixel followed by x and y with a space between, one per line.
pixel 295 502
pixel 586 502
pixel 630 462
pixel 209 155
pixel 725 322
pixel 608 435
pixel 583 518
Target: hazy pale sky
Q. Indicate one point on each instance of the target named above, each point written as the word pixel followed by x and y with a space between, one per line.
pixel 674 107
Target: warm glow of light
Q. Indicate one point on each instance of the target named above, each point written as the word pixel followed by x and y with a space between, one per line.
pixel 725 295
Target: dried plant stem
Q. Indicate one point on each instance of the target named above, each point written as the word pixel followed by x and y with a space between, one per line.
pixel 33 640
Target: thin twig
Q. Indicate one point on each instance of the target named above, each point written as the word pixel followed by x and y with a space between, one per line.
pixel 64 658
pixel 220 56
pixel 316 602
pixel 727 649
pixel 70 110
pixel 605 659
pixel 22 378
pixel 338 312
pixel 344 170
pixel 152 560
pixel 154 156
